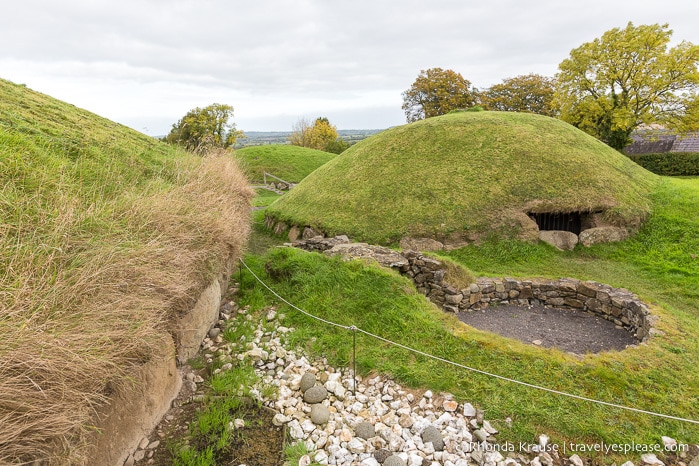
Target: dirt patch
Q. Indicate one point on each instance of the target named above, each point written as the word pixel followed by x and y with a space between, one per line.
pixel 259 443
pixel 575 331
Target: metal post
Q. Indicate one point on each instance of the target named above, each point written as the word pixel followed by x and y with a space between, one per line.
pixel 354 358
pixel 240 275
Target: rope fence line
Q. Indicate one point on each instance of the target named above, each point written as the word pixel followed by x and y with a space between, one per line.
pixel 355 329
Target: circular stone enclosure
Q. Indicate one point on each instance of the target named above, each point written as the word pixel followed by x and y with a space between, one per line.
pixel 616 305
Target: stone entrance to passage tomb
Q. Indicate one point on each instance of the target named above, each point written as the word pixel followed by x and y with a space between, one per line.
pixel 563 221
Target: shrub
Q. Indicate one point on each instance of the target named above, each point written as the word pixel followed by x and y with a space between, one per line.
pixel 669 163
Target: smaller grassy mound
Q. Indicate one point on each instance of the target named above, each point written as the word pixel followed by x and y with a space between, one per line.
pixel 106 235
pixel 464 175
pixel 290 163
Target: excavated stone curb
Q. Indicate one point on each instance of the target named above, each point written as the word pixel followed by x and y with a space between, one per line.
pixel 617 305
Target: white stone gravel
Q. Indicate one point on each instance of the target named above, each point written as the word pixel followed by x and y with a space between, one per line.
pixel 398 415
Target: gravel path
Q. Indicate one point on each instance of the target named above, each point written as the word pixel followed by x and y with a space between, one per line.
pixel 569 330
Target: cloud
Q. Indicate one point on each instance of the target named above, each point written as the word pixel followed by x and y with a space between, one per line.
pixel 153 60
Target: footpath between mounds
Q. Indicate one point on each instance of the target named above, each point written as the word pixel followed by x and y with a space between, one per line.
pixel 382 423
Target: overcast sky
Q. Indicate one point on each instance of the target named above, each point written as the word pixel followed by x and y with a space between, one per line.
pixel 145 63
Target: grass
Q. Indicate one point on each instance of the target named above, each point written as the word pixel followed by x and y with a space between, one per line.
pixel 106 236
pixel 660 264
pixel 212 432
pixel 464 174
pixel 264 198
pixel 290 163
pixel 261 241
pixel 294 451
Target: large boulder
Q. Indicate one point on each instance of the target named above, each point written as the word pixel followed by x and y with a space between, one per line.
pixel 563 240
pixel 315 395
pixel 310 232
pixel 432 434
pixel 394 460
pixel 308 380
pixel 294 233
pixel 420 244
pixel 365 430
pixel 603 235
pixel 384 256
pixel 319 414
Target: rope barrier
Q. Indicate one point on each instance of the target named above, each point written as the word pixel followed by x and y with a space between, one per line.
pixel 291 305
pixel 355 329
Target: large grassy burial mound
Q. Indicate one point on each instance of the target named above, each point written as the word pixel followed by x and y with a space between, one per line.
pixel 290 163
pixel 106 237
pixel 461 176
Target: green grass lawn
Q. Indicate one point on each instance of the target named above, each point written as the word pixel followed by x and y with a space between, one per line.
pixel 290 163
pixel 264 198
pixel 660 264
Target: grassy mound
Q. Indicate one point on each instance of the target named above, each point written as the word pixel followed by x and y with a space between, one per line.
pixel 290 163
pixel 106 234
pixel 463 174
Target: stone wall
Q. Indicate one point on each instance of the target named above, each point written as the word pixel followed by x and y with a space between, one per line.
pixel 594 231
pixel 614 304
pixel 135 408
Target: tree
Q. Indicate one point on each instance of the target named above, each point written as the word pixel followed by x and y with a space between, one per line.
pixel 338 146
pixel 627 78
pixel 437 92
pixel 300 133
pixel 203 128
pixel 531 93
pixel 321 135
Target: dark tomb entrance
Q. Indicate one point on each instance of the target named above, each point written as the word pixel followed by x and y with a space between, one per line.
pixel 569 221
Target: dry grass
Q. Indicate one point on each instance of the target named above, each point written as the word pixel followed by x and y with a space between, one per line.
pixel 87 293
pixel 456 275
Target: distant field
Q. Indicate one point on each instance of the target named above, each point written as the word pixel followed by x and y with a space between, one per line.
pixel 290 163
pixel 259 138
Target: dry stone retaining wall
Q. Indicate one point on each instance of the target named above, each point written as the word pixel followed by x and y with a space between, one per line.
pixel 135 408
pixel 614 304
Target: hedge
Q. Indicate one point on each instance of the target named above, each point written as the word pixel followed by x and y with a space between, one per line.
pixel 669 163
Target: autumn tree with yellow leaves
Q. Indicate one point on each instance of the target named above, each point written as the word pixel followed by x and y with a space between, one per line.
pixel 321 135
pixel 627 78
pixel 437 92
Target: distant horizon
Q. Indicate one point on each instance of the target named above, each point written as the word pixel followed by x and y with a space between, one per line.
pixel 246 131
pixel 291 131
